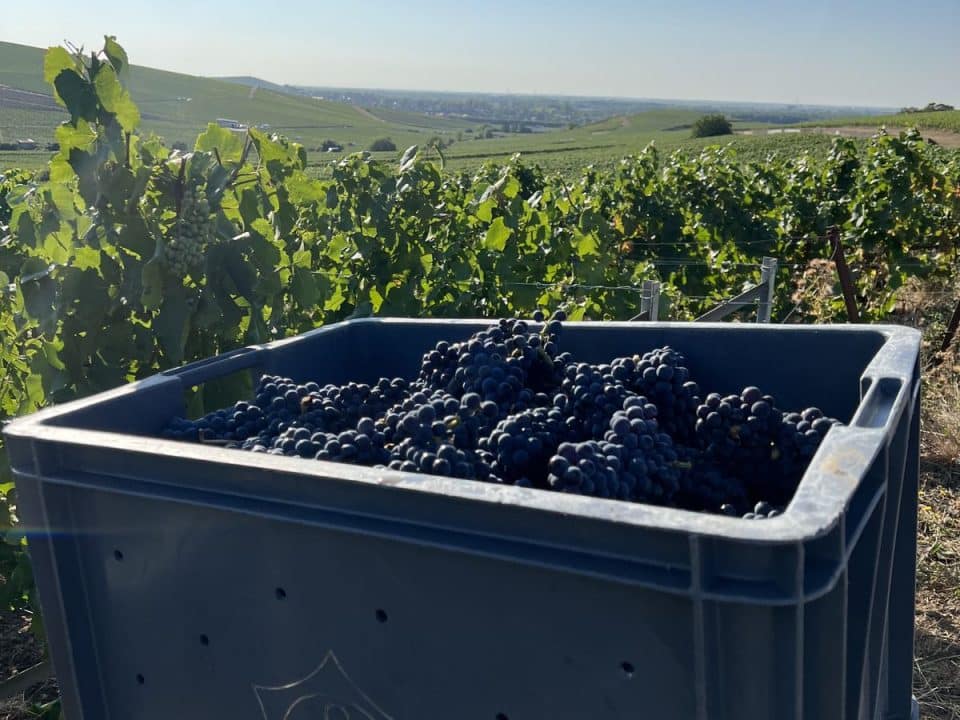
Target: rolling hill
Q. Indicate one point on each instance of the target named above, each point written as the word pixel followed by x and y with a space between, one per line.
pixel 177 106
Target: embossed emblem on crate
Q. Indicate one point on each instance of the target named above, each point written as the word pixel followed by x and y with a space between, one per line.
pixel 327 693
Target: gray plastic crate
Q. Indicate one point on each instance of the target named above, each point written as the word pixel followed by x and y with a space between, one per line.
pixel 189 582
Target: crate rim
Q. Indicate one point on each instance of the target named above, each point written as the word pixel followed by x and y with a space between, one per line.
pixel 818 506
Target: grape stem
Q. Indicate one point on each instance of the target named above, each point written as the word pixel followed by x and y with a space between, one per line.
pixel 178 191
pixel 243 161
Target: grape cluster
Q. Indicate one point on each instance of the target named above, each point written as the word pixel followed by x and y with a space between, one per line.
pixel 747 437
pixel 662 376
pixel 507 364
pixel 185 246
pixel 589 396
pixel 507 406
pixel 521 445
pixel 634 461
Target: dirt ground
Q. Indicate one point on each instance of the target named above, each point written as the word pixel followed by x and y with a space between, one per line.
pixel 20 650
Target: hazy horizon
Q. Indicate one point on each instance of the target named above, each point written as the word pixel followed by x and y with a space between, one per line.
pixel 503 93
pixel 857 53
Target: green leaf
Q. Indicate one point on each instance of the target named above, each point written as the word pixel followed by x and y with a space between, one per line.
pixel 227 143
pixel 80 136
pixel 280 156
pixel 33 397
pixel 304 289
pixel 231 260
pixel 152 279
pixel 511 188
pixel 115 98
pixel 302 190
pixel 77 95
pixel 376 299
pixel 40 297
pixel 172 324
pixel 50 352
pixel 485 210
pixel 497 235
pixel 116 54
pixel 302 259
pixel 586 245
pixel 62 197
pixel 56 60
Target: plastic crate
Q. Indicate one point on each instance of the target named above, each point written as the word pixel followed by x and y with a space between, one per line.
pixel 183 581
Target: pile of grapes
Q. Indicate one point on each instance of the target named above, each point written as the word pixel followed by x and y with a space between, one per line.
pixel 507 406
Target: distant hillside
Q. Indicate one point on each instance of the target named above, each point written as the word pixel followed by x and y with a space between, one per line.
pixel 177 106
pixel 256 82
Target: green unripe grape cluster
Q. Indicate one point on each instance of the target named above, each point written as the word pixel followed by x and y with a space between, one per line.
pixel 188 240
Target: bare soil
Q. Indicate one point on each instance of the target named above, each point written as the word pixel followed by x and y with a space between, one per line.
pixel 20 650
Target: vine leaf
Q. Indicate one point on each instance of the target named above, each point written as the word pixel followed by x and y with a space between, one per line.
pixel 152 280
pixel 76 95
pixel 116 99
pixel 55 61
pixel 172 324
pixel 115 54
pixel 227 143
pixel 497 235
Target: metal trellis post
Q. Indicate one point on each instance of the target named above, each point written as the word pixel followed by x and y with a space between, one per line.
pixel 649 301
pixel 768 277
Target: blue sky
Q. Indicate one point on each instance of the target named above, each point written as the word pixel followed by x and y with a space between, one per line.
pixel 848 52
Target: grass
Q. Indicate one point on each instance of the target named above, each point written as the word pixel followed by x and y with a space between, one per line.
pixel 21 123
pixel 937 639
pixel 24 159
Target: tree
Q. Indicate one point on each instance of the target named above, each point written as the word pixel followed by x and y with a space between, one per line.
pixel 383 145
pixel 711 125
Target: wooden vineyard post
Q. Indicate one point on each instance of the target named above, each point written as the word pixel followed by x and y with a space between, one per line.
pixel 948 336
pixel 843 272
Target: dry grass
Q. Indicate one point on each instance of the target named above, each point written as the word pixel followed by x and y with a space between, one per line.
pixel 937 643
pixel 937 639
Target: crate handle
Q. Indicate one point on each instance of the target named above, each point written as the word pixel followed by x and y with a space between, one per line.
pixel 199 372
pixel 882 398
